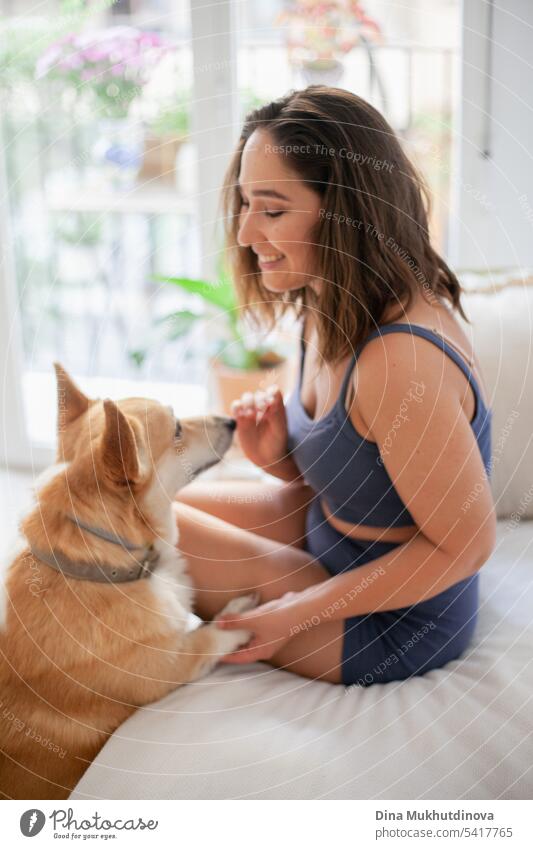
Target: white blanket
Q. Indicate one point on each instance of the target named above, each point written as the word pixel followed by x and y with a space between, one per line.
pixel 461 732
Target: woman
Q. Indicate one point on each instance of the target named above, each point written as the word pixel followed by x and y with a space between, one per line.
pixel 366 558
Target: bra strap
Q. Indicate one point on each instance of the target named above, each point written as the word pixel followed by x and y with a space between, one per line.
pixel 440 342
pixel 302 355
pixel 351 366
pixel 415 330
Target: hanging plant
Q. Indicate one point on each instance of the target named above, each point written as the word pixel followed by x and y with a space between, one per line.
pixel 319 34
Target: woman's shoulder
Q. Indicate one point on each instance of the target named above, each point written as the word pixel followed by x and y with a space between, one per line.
pixel 438 321
pixel 393 361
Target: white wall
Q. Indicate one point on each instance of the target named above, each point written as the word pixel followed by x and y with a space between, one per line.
pixel 492 213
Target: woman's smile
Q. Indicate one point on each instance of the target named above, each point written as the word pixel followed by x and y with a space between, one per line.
pixel 269 260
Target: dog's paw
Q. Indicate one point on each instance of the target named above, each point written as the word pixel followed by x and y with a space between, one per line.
pixel 230 641
pixel 241 604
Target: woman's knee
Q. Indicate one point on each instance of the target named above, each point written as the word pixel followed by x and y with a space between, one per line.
pixel 314 651
pixel 267 509
pixel 278 576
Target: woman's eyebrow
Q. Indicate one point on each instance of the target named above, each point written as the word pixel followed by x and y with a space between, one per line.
pixel 268 193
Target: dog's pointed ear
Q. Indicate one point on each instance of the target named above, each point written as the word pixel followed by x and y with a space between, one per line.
pixel 119 450
pixel 71 402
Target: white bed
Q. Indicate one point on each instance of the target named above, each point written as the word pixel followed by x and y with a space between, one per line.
pixel 461 732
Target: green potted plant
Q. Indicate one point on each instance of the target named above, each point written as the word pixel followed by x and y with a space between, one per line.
pixel 234 367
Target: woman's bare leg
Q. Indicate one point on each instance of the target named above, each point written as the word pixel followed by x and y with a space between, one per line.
pixel 273 510
pixel 240 536
pixel 316 653
pixel 225 561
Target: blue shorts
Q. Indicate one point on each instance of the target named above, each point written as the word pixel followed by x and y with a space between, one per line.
pixel 395 644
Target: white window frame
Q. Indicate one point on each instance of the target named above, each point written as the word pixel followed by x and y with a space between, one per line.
pixel 16 448
pixel 492 189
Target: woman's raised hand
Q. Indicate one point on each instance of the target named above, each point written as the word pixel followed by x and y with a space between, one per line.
pixel 262 426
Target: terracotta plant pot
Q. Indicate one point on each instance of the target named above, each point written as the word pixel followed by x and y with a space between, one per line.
pixel 227 384
pixel 160 157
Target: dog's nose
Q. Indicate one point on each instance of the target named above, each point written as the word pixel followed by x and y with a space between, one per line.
pixel 231 423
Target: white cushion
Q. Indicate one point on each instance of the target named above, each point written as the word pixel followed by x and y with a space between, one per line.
pixel 502 331
pixel 462 731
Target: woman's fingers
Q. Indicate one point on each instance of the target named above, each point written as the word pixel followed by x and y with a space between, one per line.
pixel 251 407
pixel 245 421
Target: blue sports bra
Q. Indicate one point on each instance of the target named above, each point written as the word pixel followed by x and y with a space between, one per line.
pixel 346 469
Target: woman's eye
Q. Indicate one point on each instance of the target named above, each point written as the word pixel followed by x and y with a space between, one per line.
pixel 274 214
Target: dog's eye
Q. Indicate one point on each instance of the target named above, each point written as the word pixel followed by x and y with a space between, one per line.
pixel 178 430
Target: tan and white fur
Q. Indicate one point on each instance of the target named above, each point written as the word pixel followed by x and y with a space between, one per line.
pixel 78 657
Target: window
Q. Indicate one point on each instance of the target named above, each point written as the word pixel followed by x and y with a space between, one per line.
pixel 113 157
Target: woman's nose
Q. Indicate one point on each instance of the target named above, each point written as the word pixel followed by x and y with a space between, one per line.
pixel 247 233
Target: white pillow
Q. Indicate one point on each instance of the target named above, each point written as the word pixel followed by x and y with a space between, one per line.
pixel 502 332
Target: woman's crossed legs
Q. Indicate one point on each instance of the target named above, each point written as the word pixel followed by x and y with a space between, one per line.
pixel 240 536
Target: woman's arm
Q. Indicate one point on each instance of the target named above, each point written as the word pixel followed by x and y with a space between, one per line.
pixel 431 455
pixel 412 572
pixel 286 469
pixel 407 575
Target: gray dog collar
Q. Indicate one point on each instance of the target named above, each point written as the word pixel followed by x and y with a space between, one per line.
pixel 141 566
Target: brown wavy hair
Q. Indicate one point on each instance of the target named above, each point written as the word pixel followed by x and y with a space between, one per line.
pixel 348 153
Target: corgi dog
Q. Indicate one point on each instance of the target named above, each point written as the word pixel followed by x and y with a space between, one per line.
pixel 95 601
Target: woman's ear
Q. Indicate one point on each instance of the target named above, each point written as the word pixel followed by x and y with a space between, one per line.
pixel 119 451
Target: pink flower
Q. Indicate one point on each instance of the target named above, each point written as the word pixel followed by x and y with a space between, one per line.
pixel 72 62
pixel 118 51
pixel 94 54
pixel 47 61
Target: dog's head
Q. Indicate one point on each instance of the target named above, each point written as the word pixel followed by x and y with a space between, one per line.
pixel 136 442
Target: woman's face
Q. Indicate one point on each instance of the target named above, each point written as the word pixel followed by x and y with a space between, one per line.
pixel 278 213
